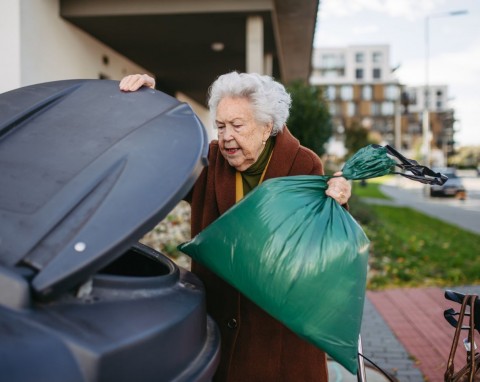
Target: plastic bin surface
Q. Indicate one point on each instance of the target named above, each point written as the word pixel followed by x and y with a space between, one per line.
pixel 86 170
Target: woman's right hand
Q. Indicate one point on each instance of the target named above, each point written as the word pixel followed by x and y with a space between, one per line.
pixel 134 82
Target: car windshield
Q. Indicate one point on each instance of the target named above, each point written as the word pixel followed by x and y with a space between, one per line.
pixel 450 172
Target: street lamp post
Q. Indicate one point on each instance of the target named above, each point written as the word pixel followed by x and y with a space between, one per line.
pixel 427 95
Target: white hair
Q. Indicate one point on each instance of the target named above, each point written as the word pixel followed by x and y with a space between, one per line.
pixel 269 99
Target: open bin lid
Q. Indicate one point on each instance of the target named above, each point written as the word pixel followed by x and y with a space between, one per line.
pixel 85 171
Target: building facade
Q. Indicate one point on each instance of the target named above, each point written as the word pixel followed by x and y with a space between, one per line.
pixel 361 89
pixel 441 119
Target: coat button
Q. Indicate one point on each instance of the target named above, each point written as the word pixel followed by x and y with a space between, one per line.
pixel 232 324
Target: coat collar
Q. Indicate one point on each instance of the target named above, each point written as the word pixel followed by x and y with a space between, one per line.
pixel 283 157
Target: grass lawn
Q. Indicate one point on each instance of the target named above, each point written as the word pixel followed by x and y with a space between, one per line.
pixel 409 248
pixel 370 189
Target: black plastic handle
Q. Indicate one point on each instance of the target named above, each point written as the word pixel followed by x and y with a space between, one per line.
pixel 420 173
pixel 449 314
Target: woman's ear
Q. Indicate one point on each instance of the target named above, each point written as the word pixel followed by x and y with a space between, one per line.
pixel 268 131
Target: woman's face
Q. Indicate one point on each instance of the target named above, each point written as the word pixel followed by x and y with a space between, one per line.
pixel 240 137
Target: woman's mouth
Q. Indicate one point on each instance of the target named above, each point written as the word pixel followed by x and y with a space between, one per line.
pixel 231 151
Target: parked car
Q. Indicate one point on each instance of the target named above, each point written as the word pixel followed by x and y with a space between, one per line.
pixel 86 171
pixel 452 187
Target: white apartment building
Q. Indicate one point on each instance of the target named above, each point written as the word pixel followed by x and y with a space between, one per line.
pixel 360 88
pixel 437 98
pixel 352 64
pixel 441 118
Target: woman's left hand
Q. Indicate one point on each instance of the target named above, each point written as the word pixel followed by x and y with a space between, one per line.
pixel 134 82
pixel 339 188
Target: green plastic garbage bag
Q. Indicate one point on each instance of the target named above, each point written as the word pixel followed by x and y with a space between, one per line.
pixel 298 254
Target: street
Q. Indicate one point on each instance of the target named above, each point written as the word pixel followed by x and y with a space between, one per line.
pixel 464 213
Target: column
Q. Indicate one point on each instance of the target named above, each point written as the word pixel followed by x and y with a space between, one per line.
pixel 254 42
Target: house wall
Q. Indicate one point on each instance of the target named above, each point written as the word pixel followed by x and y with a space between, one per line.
pixel 9 44
pixel 42 47
pixel 38 46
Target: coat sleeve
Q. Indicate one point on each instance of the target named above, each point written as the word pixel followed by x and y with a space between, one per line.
pixel 306 163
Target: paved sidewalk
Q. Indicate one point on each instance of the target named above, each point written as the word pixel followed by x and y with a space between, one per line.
pixel 403 330
pixel 382 346
pixel 458 212
pixel 405 333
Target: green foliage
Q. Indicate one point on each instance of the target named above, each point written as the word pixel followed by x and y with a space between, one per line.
pixel 170 232
pixel 412 249
pixel 356 137
pixel 369 189
pixel 409 248
pixel 309 119
pixel 466 157
pixel 361 211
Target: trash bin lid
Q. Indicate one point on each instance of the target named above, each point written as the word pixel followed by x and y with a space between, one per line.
pixel 85 171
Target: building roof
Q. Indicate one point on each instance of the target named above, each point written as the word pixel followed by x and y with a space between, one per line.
pixel 173 38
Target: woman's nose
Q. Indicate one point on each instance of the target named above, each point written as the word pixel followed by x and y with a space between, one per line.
pixel 228 133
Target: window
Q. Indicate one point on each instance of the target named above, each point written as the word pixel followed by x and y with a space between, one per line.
pixel 391 92
pixel 359 73
pixel 333 73
pixel 351 109
pixel 388 108
pixel 376 57
pixel 333 108
pixel 427 97
pixel 330 60
pixel 412 97
pixel 359 57
pixel 346 92
pixel 330 92
pixel 377 73
pixel 367 92
pixel 376 108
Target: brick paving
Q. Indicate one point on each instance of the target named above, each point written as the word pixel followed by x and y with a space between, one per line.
pixel 405 333
pixel 382 346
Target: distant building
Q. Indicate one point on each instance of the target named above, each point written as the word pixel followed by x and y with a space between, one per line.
pixel 441 117
pixel 437 99
pixel 361 88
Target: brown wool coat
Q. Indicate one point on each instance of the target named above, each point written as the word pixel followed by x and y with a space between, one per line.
pixel 255 346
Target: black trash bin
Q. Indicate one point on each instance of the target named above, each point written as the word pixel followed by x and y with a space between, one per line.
pixel 85 172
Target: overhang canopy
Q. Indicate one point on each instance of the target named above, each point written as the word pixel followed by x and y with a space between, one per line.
pixel 173 38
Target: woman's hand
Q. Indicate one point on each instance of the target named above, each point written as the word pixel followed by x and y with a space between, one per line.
pixel 339 188
pixel 134 82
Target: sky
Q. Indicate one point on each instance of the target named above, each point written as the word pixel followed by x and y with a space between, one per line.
pixel 454 46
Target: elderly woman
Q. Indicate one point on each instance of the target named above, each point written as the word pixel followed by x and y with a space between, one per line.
pixel 250 112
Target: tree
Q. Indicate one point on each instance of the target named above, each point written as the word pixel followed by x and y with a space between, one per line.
pixel 356 137
pixel 309 119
